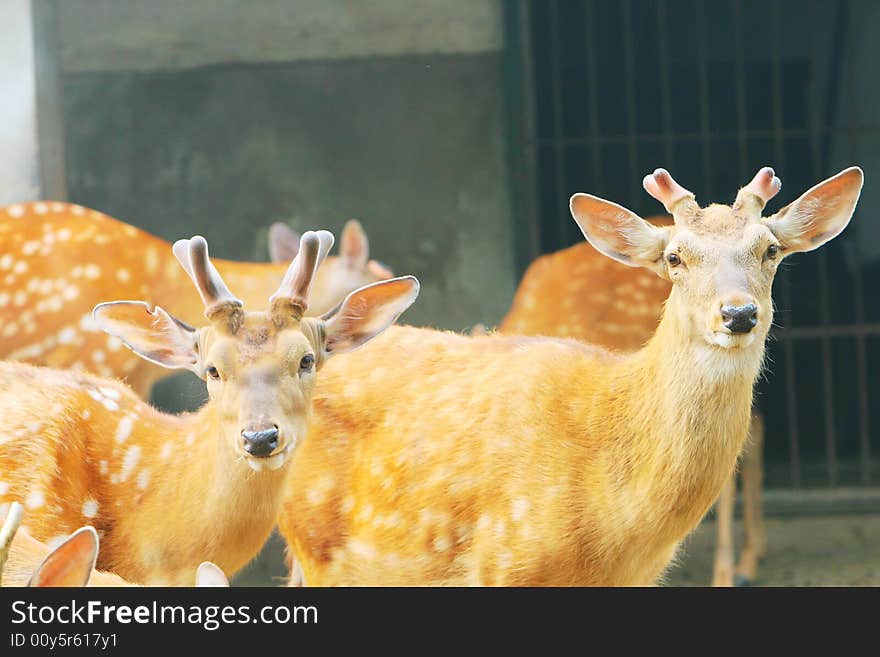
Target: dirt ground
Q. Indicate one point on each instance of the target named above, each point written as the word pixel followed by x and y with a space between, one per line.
pixel 814 550
pixel 821 550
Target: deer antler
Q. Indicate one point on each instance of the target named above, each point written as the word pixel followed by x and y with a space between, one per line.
pixel 663 187
pixel 7 533
pixel 193 257
pixel 291 298
pixel 764 186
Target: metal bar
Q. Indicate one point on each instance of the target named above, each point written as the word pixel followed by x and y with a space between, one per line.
pixel 828 331
pixel 864 130
pixel 593 81
pixel 630 90
pixel 791 401
pixel 665 86
pixel 858 287
pixel 562 216
pixel 520 125
pixel 740 83
pixel 703 58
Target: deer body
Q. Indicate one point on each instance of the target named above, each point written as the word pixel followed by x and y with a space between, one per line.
pixel 579 293
pixel 166 491
pixel 434 493
pixel 59 260
pixel 512 460
pixel 100 455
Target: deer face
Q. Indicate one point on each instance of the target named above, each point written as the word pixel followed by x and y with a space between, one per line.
pixel 720 259
pixel 260 367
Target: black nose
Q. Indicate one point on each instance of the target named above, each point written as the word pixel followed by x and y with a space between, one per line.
pixel 260 443
pixel 740 319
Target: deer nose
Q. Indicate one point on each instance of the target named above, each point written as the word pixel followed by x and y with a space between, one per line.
pixel 260 443
pixel 740 319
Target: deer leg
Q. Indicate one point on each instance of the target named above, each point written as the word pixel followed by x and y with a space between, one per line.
pixel 755 546
pixel 723 567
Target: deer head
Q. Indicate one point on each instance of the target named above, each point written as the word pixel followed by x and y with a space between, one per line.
pixel 260 366
pixel 720 259
pixel 351 269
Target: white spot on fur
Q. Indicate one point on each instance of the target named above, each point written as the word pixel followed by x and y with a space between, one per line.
pixel 123 275
pixel 6 261
pixel 64 234
pixel 86 414
pixel 20 267
pixel 441 543
pixel 90 508
pixel 123 429
pixel 143 479
pixel 104 467
pixel 113 343
pixel 92 271
pixel 41 208
pixel 35 499
pixel 98 356
pixel 16 210
pixel 88 323
pixel 519 508
pixel 129 461
pixel 112 393
pixel 347 504
pixel 167 448
pixel 151 260
pixel 361 549
pixel 66 335
pixel 4 488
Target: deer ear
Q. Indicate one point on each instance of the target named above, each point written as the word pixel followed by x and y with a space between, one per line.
pixel 283 243
pixel 152 334
pixel 366 312
pixel 820 214
pixel 619 233
pixel 210 574
pixel 355 247
pixel 71 563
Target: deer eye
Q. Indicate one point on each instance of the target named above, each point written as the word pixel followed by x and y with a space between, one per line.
pixel 212 372
pixel 772 252
pixel 673 260
pixel 307 362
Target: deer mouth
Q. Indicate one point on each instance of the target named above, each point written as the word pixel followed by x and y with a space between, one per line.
pixel 273 462
pixel 728 340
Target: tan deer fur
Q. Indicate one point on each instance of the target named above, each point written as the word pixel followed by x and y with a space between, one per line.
pixel 507 460
pixel 168 492
pixel 71 562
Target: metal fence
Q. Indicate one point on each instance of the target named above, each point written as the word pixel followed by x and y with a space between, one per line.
pixel 601 93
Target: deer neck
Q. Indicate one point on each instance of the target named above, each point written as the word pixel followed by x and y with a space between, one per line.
pixel 688 406
pixel 210 495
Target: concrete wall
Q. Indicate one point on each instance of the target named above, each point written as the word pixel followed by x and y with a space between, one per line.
pixel 219 117
pixel 19 176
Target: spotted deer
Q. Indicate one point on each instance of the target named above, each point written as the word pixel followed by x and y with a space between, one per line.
pixel 516 460
pixel 81 449
pixel 579 293
pixel 59 260
pixel 28 562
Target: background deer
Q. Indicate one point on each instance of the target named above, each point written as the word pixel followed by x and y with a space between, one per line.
pixel 59 260
pixel 578 293
pixel 72 563
pixel 516 460
pixel 81 449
